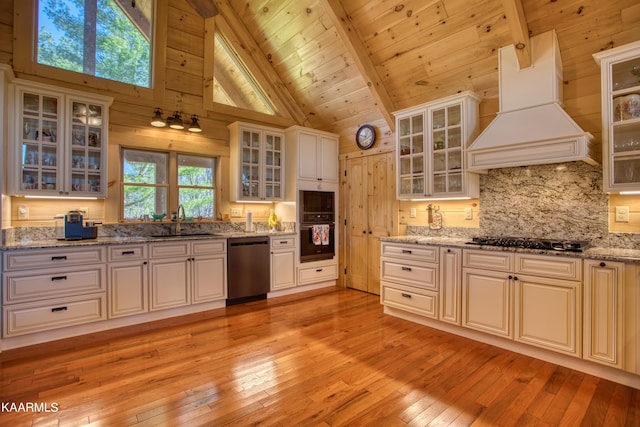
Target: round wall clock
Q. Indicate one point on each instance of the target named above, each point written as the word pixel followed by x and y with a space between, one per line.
pixel 365 137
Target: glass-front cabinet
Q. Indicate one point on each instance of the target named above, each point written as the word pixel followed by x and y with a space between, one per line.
pixel 620 71
pixel 431 140
pixel 59 142
pixel 257 163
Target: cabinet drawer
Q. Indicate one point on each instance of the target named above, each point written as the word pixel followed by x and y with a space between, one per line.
pixel 166 250
pixel 20 319
pixel 423 275
pixel 204 247
pixel 424 303
pixel 127 252
pixel 27 259
pixel 282 242
pixel 549 266
pixel 488 260
pixel 410 251
pixel 317 274
pixel 42 284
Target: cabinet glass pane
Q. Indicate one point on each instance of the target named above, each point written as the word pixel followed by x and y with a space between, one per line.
pixel 29 179
pixel 49 180
pixel 405 185
pixel 30 155
pixel 439 140
pixel 418 164
pixel 439 162
pixel 405 166
pixel 455 183
pixel 626 107
pixel 418 185
pixel 78 159
pixel 626 138
pixel 417 124
pixel 417 143
pixel 626 74
pixel 454 160
pixel 405 146
pixel 30 129
pixel 439 119
pixel 94 138
pixel 404 127
pixel 454 139
pixel 86 114
pixel 454 117
pixel 30 104
pixel 78 136
pixel 626 170
pixel 439 184
pixel 94 183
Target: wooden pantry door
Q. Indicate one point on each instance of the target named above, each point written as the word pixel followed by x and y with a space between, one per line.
pixel 370 210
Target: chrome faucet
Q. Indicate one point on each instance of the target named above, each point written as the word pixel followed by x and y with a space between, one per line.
pixel 181 217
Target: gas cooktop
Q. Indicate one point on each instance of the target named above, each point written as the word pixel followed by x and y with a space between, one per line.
pixel 531 243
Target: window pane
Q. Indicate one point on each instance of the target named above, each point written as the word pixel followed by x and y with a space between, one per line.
pixel 114 43
pixel 195 171
pixel 197 202
pixel 140 200
pixel 145 167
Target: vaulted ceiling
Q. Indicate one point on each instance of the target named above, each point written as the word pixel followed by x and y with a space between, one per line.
pixel 350 62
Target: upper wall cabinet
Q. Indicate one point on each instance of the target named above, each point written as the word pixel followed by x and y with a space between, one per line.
pixel 620 70
pixel 430 144
pixel 58 141
pixel 316 155
pixel 257 163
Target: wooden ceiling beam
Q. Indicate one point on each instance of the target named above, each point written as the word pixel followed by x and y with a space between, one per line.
pixel 514 12
pixel 205 8
pixel 247 46
pixel 356 48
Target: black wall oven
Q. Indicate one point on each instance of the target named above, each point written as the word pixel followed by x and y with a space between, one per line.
pixel 317 225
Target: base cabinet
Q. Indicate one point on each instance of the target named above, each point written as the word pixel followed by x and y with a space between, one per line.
pixel 603 308
pixel 487 302
pixel 450 285
pixel 283 262
pixel 128 277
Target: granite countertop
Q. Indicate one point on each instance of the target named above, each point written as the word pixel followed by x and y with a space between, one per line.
pixel 26 243
pixel 600 253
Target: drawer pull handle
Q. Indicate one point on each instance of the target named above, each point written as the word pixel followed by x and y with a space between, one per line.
pixel 59 258
pixel 406 268
pixel 56 278
pixel 405 295
pixel 128 252
pixel 283 242
pixel 407 251
pixel 318 270
pixel 56 309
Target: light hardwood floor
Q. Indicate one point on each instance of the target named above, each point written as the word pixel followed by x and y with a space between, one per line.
pixel 327 358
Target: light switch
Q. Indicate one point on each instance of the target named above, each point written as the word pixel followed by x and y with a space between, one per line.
pixel 413 213
pixel 23 212
pixel 622 213
pixel 468 213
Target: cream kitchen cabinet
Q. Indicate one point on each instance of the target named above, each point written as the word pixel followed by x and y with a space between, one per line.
pixel 450 285
pixel 58 141
pixel 283 262
pixel 603 312
pixel 186 272
pixel 430 146
pixel 257 163
pixel 49 289
pixel 620 87
pixel 410 278
pixel 534 299
pixel 315 154
pixel 128 277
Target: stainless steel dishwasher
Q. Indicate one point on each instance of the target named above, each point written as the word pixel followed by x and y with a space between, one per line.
pixel 248 271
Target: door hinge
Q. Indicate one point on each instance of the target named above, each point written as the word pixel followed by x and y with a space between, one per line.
pixel 345 172
pixel 345 271
pixel 345 222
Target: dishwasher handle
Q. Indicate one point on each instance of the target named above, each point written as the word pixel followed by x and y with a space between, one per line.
pixel 247 242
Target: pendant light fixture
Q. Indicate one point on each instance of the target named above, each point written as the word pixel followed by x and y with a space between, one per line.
pixel 194 126
pixel 157 120
pixel 175 121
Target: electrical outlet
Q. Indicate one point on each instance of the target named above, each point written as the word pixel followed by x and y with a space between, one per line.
pixel 622 213
pixel 413 213
pixel 236 212
pixel 23 212
pixel 468 213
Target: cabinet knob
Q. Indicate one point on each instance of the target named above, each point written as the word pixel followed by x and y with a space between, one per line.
pixel 515 277
pixel 449 250
pixel 510 277
pixel 603 264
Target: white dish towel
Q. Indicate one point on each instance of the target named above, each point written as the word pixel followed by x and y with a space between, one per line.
pixel 320 234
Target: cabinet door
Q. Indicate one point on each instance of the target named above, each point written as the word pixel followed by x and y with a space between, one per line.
pixel 450 285
pixel 39 142
pixel 128 289
pixel 548 313
pixel 603 312
pixel 86 161
pixel 308 162
pixel 446 140
pixel 411 156
pixel 487 302
pixel 209 278
pixel 170 283
pixel 273 166
pixel 250 164
pixel 283 266
pixel 328 155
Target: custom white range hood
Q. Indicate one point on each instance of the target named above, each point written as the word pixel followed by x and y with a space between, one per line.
pixel 531 127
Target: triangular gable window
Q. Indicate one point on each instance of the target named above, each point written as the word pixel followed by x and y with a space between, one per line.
pixel 233 83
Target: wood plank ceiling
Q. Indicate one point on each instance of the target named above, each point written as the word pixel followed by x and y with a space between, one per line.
pixel 351 62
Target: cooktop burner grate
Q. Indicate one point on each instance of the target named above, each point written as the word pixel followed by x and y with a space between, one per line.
pixel 531 243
